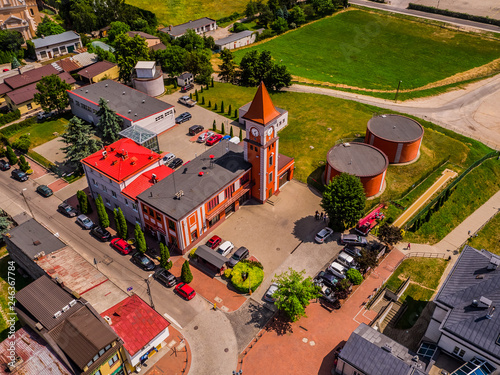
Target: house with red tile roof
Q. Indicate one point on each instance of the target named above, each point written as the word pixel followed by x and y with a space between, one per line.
pixel 113 170
pixel 142 329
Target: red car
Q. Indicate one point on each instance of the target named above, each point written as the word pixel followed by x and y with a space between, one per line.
pixel 214 242
pixel 121 245
pixel 185 291
pixel 213 139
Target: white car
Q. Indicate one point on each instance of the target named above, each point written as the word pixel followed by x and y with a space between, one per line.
pixel 323 234
pixel 204 136
pixel 225 248
pixel 168 158
pixel 337 270
pixel 235 140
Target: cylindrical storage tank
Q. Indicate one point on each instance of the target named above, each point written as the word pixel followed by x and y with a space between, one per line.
pixel 152 87
pixel 361 160
pixel 399 137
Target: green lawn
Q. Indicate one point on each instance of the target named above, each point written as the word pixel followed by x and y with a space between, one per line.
pixel 374 50
pixel 425 275
pixel 174 12
pixel 489 237
pixel 42 132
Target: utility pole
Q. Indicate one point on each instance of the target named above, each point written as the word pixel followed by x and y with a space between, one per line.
pixel 397 92
pixel 27 204
pixel 149 291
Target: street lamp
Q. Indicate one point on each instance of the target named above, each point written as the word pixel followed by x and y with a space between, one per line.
pixel 149 291
pixel 397 92
pixel 26 201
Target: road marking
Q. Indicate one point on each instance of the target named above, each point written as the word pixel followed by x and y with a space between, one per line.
pixel 172 320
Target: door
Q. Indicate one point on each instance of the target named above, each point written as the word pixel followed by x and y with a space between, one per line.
pixel 284 178
pixel 50 54
pixel 71 49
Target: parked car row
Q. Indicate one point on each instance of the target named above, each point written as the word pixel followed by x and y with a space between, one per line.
pixel 225 248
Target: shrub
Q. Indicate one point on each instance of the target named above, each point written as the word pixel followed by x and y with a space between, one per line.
pixel 9 117
pixel 192 254
pixel 222 130
pixel 214 126
pixel 22 144
pixel 227 273
pixel 23 164
pixel 202 100
pixel 209 104
pixel 238 27
pixel 15 128
pixel 186 275
pixel 215 107
pixel 11 156
pixel 252 281
pixel 354 276
pixel 222 107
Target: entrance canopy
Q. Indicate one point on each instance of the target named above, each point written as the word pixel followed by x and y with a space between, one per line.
pixel 211 256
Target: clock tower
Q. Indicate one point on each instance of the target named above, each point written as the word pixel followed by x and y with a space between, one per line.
pixel 261 144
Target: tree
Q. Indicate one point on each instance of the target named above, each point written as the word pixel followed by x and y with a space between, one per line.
pixel 165 261
pixel 82 16
pixel 256 67
pixel 279 25
pixel 228 66
pixel 278 77
pixel 11 156
pixel 294 293
pixel 109 123
pixel 23 143
pixel 222 107
pixel 342 289
pixel 80 141
pixel 214 126
pixel 5 222
pixel 389 234
pixel 190 41
pixel 222 130
pixel 344 201
pixel 198 63
pixel 140 241
pixel 83 202
pixel 11 40
pixel 128 52
pixel 186 275
pixel 104 55
pixel 117 28
pixel 251 9
pixel 367 260
pixel 23 164
pixel 48 27
pixel 323 7
pixel 102 214
pixel 52 93
pixel 231 132
pixel 354 276
pixel 172 60
pixel 236 113
pixel 297 16
pixel 121 223
pixel 229 110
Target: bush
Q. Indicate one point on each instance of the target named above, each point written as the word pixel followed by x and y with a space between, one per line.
pixel 23 164
pixel 192 254
pixel 354 276
pixel 22 144
pixel 15 128
pixel 238 27
pixel 186 275
pixel 9 117
pixel 11 156
pixel 252 281
pixel 228 273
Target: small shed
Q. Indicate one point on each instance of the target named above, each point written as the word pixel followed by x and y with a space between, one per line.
pixel 210 259
pixel 185 79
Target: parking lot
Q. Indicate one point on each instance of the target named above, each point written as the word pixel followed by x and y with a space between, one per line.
pixel 177 139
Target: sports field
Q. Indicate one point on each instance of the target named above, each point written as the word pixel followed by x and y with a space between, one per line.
pixel 363 49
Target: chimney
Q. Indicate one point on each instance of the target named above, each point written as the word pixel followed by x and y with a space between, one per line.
pixel 153 177
pixel 104 154
pixel 490 313
pixel 108 319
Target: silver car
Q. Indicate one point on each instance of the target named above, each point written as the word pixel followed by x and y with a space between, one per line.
pixel 270 293
pixel 84 222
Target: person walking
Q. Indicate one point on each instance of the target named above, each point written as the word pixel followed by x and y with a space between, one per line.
pixel 409 246
pixel 316 216
pixel 322 215
pixel 325 218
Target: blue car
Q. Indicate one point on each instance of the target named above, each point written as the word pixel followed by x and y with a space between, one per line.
pixel 226 137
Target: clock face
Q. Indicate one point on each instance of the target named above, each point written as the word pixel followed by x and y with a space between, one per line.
pixel 270 132
pixel 255 132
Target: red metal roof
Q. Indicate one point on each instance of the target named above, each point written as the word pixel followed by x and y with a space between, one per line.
pixel 145 181
pixel 122 159
pixel 135 323
pixel 262 109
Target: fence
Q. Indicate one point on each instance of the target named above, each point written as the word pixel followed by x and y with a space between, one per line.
pixel 449 187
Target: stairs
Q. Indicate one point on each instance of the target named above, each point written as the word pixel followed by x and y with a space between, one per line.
pixel 393 315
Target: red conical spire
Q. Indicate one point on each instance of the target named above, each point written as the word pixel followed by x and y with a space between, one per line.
pixel 262 109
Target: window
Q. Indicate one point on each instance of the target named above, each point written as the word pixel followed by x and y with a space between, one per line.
pixel 31 12
pixel 96 357
pixel 77 103
pixel 134 206
pixel 458 352
pixel 213 203
pixel 251 147
pixel 98 372
pixel 90 363
pixel 56 51
pixel 101 352
pixel 171 225
pixel 271 160
pixel 145 209
pixel 151 213
pixel 107 347
pixel 158 216
pixel 110 181
pixel 29 106
pixel 194 235
pixel 113 194
pixel 271 177
pixel 214 221
pixel 229 191
pixel 244 179
pixel 108 202
pixel 43 54
pixel 112 361
pixel 104 188
pixel 63 49
pixel 126 202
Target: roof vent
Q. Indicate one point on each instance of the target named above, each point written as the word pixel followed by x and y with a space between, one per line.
pixel 153 177
pixel 65 308
pixel 484 302
pixel 108 319
pixel 415 358
pixel 123 93
pixel 72 303
pixel 179 194
pixel 57 314
pixel 38 326
pixel 36 243
pixel 135 114
pixel 387 348
pixel 384 116
pixel 144 101
pixel 490 313
pixel 114 162
pixel 475 303
pixel 104 154
pixel 129 110
pixel 86 91
pixel 106 85
pixel 479 276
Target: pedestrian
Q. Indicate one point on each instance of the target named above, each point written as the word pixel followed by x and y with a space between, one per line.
pixel 325 217
pixel 322 215
pixel 316 215
pixel 468 233
pixel 408 246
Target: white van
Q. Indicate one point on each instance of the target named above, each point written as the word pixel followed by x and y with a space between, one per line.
pixel 346 260
pixel 235 140
pixel 337 269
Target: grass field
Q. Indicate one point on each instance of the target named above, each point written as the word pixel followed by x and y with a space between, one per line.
pixel 42 132
pixel 425 275
pixel 488 237
pixel 174 12
pixel 375 51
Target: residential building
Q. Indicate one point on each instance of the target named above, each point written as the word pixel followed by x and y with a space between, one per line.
pixel 148 78
pixel 465 322
pixel 75 63
pixel 111 170
pixel 237 40
pixel 185 79
pixel 132 106
pixel 185 206
pixel 33 356
pixel 19 15
pixel 142 329
pixel 81 338
pixel 99 71
pixel 151 40
pixel 200 26
pixel 369 352
pixel 48 47
pixel 18 91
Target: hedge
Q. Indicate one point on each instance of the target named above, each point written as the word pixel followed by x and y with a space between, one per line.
pixel 253 280
pixel 450 13
pixel 9 117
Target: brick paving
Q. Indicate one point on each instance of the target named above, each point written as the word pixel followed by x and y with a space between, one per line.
pixel 58 185
pixel 312 339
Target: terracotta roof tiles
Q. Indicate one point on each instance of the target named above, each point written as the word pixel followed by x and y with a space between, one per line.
pixel 262 110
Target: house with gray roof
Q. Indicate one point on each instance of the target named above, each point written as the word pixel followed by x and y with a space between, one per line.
pixel 369 352
pixel 465 323
pixel 48 47
pixel 200 26
pixel 237 40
